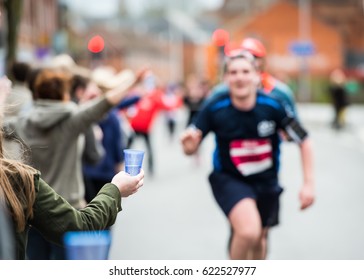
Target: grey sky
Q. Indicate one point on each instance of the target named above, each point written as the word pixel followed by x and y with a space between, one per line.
pixel 103 8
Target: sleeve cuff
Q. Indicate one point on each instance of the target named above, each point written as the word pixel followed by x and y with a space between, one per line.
pixel 112 190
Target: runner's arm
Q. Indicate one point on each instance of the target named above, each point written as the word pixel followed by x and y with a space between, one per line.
pixel 300 136
pixel 193 135
pixel 307 192
pixel 191 140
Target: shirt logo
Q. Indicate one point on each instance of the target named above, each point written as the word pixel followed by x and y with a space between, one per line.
pixel 251 156
pixel 266 128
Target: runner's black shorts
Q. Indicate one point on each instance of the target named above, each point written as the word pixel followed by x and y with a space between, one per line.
pixel 228 190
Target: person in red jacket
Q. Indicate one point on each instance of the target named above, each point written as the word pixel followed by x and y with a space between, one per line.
pixel 142 115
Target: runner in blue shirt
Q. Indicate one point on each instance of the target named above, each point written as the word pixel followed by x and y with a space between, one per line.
pixel 244 180
pixel 267 83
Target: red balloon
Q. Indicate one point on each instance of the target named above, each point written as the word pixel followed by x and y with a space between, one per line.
pixel 220 37
pixel 96 44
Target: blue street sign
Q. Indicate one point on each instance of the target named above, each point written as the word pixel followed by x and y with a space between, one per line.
pixel 302 48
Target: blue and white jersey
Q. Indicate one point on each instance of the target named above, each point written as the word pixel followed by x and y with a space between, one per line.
pixel 284 94
pixel 278 90
pixel 247 142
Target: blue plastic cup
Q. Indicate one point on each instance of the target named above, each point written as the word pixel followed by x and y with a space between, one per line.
pixel 133 161
pixel 87 245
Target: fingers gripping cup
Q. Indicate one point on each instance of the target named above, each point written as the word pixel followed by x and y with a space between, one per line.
pixel 87 245
pixel 133 161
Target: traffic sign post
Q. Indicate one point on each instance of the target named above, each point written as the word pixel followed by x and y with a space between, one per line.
pixel 302 48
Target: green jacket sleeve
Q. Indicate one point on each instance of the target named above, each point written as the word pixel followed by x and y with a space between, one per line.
pixel 54 216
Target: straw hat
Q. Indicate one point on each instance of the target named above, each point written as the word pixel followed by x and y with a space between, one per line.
pixel 107 78
pixel 66 62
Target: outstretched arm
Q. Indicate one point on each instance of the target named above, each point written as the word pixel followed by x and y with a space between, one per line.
pixel 191 140
pixel 116 95
pixel 307 192
pixel 54 216
pixel 297 133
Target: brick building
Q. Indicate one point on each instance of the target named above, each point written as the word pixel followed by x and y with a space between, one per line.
pixel 279 27
pixel 346 17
